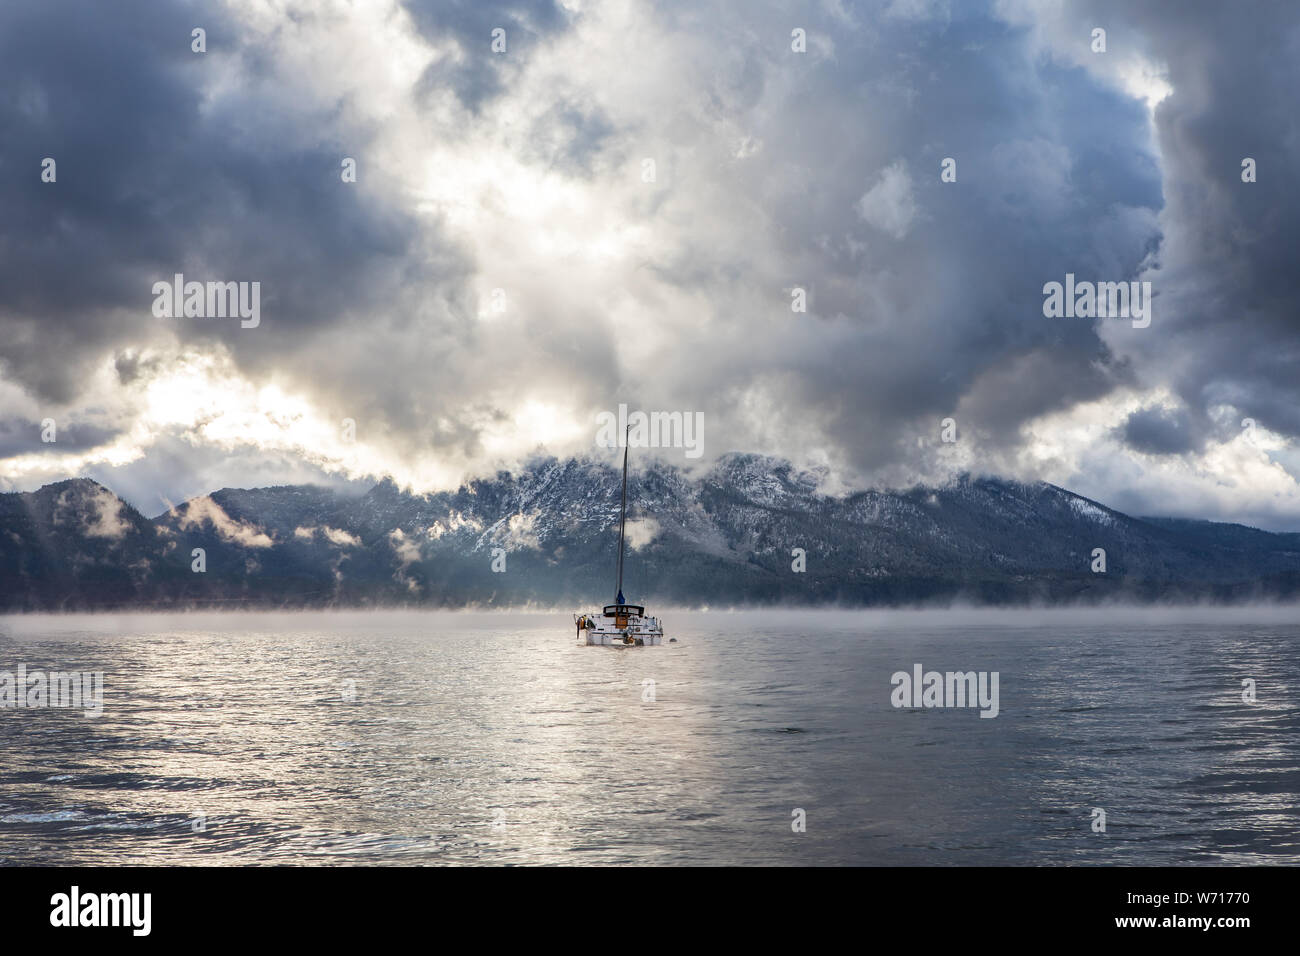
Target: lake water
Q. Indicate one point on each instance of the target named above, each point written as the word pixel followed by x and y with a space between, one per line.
pixel 492 738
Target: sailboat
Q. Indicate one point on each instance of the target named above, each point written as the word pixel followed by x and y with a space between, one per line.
pixel 620 624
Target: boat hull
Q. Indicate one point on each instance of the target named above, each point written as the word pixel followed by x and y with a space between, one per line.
pixel 619 639
pixel 619 630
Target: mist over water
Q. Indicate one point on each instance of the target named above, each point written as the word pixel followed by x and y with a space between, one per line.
pixel 441 738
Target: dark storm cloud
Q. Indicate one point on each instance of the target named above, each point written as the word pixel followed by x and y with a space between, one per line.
pixel 20 437
pixel 1228 264
pixel 476 78
pixel 130 365
pixel 1159 431
pixel 153 180
pixel 1051 179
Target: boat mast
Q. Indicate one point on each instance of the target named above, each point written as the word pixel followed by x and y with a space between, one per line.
pixel 622 518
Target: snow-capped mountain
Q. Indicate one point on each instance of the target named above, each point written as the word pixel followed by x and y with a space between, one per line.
pixel 548 535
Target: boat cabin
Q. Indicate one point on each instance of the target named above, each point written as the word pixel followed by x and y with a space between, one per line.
pixel 621 612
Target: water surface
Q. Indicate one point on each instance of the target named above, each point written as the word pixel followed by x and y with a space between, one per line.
pixel 491 738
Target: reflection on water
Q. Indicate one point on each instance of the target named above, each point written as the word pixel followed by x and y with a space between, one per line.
pixel 492 738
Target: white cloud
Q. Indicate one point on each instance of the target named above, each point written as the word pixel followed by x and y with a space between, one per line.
pixel 99 514
pixel 406 548
pixel 641 531
pixel 335 536
pixel 197 512
pixel 888 205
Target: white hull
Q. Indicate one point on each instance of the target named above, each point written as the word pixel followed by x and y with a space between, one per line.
pixel 610 640
pixel 602 630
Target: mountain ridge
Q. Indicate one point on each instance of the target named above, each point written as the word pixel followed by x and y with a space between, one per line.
pixel 725 537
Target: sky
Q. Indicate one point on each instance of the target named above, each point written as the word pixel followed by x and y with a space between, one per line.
pixel 564 206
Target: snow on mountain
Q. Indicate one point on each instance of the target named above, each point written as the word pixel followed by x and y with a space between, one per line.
pixel 727 536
